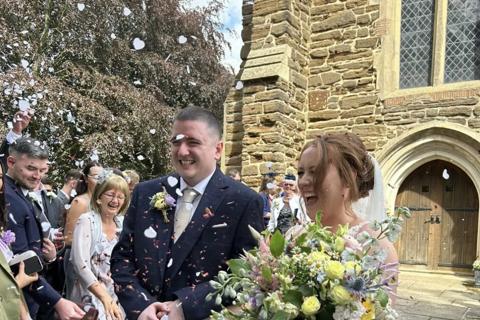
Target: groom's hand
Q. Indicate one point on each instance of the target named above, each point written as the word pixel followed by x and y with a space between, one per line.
pixel 176 310
pixel 154 311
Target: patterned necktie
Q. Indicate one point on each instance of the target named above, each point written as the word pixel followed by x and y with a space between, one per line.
pixel 184 212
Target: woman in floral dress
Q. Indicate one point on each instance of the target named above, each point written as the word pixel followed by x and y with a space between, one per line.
pixel 94 237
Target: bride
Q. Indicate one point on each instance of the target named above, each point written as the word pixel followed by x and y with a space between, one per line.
pixel 334 171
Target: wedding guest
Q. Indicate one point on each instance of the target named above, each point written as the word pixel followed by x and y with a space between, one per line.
pixel 52 205
pixel 335 170
pixel 268 192
pixel 288 209
pixel 27 163
pixel 167 254
pixel 133 178
pixel 68 192
pixel 20 122
pixel 80 204
pixel 13 304
pixel 234 174
pixel 94 237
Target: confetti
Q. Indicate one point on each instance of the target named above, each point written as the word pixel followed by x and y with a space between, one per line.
pixel 150 233
pixel 140 157
pixel 445 174
pixel 138 44
pixel 120 139
pixel 172 181
pixel 126 12
pixel 182 39
pixel 221 225
pixel 152 131
pixel 80 6
pixel 239 85
pixel 170 262
pixel 269 165
pixel 10 125
pixel 67 206
pixel 45 226
pixel 23 105
pixel 113 36
pixel 94 156
pixel 179 192
pixel 137 82
pixel 271 185
pixel 12 218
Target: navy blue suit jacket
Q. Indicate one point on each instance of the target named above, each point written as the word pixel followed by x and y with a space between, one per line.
pixel 28 236
pixel 146 269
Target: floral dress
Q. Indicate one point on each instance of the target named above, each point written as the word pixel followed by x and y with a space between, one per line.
pixel 91 266
pixel 285 219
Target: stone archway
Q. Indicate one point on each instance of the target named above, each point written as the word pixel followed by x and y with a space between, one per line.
pixel 450 142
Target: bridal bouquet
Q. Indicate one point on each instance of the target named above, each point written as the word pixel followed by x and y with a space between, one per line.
pixel 317 275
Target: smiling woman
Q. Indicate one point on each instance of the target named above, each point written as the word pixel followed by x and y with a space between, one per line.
pixel 94 237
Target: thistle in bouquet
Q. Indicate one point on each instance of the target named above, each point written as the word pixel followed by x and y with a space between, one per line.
pixel 318 275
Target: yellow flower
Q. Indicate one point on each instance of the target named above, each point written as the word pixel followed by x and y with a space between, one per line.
pixel 340 295
pixel 370 310
pixel 160 203
pixel 334 270
pixel 316 257
pixel 352 265
pixel 310 306
pixel 339 244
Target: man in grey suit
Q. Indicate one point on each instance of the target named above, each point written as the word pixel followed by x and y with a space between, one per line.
pixel 67 193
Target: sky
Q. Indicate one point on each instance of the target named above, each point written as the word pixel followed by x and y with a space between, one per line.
pixel 232 19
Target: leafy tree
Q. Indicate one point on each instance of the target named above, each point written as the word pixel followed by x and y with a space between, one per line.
pixel 106 77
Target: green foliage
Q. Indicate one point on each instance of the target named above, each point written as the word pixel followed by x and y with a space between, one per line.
pixel 277 244
pixel 92 91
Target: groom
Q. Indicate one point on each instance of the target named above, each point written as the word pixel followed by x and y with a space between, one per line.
pixel 164 260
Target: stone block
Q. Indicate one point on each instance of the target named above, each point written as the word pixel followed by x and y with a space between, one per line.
pixel 317 100
pixel 367 43
pixel 455 111
pixel 248 89
pixel 474 123
pixel 328 124
pixel 349 34
pixel 250 120
pixel 275 106
pixel 340 48
pixel 250 170
pixel 362 32
pixel 247 9
pixel 355 74
pixel 352 56
pixel 327 9
pixel 319 53
pixel 352 113
pixel 363 19
pixel 323 115
pixel 252 108
pixel 265 7
pixel 330 77
pixel 369 130
pixel 357 101
pixel 272 138
pixel 233 160
pixel 332 35
pixel 275 94
pixel 338 20
pixel 285 16
pixel 349 84
pixel 355 3
pixel 234 117
pixel 258 32
pixel 315 80
pixel 232 148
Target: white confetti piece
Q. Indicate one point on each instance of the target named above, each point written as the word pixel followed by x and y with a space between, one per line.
pixel 23 105
pixel 94 156
pixel 188 69
pixel 12 218
pixel 445 174
pixel 126 12
pixel 179 192
pixel 67 206
pixel 36 143
pixel 172 181
pixel 113 36
pixel 137 82
pixel 150 233
pixel 182 39
pixel 152 131
pixel 10 125
pixel 40 288
pixel 239 85
pixel 120 139
pixel 271 185
pixel 73 193
pixel 80 6
pixel 268 164
pixel 24 63
pixel 45 226
pixel 138 44
pixel 170 262
pixel 221 225
pixel 144 296
pixel 49 110
pixel 140 157
pixel 179 137
pixel 197 274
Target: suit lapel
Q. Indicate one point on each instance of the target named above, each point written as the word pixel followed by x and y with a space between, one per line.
pixel 164 234
pixel 211 199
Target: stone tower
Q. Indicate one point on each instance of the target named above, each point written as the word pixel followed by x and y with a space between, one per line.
pixel 393 72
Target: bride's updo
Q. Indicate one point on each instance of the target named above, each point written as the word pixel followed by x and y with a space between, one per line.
pixel 348 154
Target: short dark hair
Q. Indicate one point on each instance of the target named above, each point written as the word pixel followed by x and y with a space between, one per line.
pixel 72 174
pixel 29 147
pixel 233 172
pixel 47 180
pixel 194 113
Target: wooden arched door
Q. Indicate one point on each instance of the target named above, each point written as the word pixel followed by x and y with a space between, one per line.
pixel 443 229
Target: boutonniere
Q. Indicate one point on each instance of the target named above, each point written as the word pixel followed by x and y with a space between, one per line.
pixel 163 201
pixel 275 205
pixel 51 195
pixel 7 237
pixel 33 197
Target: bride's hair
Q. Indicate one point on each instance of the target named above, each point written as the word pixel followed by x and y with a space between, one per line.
pixel 348 154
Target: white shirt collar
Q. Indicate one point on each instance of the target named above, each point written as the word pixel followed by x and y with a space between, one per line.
pixel 199 187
